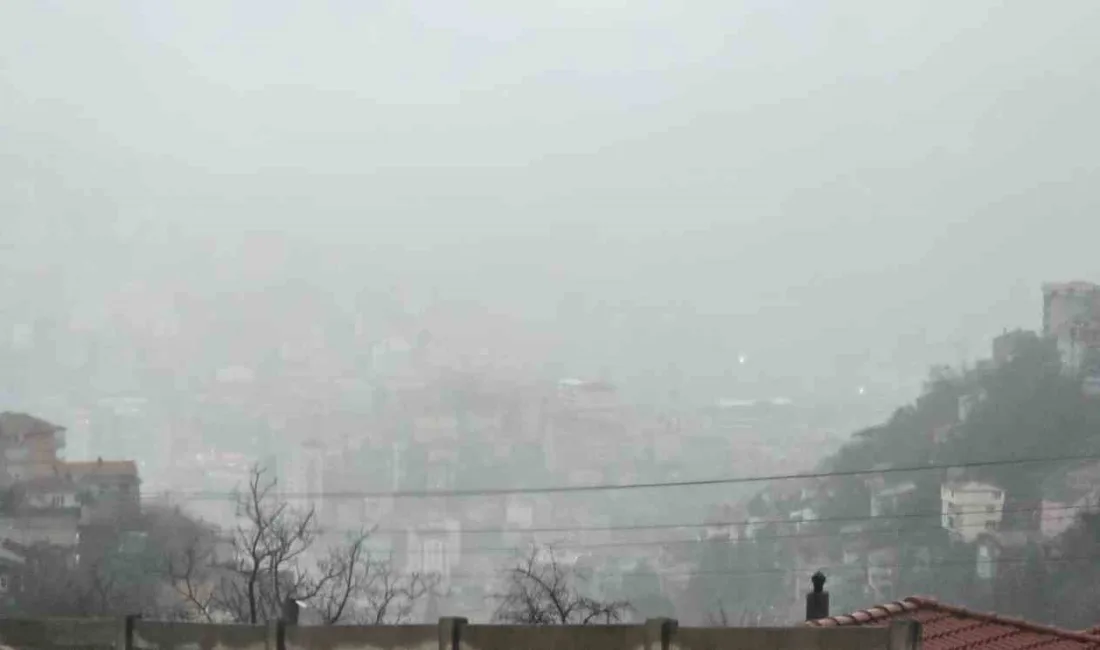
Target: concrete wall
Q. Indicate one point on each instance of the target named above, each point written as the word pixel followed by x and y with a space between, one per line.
pixel 363 637
pixel 558 637
pixel 449 634
pixel 840 638
pixel 59 633
pixel 196 636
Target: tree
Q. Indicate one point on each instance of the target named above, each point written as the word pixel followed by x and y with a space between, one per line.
pixel 366 590
pixel 1074 574
pixel 268 558
pixel 53 584
pixel 738 618
pixel 734 577
pixel 1030 409
pixel 540 590
pixel 114 570
pixel 642 588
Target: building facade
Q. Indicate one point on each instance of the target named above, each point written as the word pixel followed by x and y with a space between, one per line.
pixel 971 508
pixel 1071 316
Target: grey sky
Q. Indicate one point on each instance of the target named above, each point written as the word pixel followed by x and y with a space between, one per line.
pixel 819 183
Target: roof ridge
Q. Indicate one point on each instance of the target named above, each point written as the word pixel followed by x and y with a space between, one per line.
pixel 874 613
pixel 914 603
pixel 97 463
pixel 924 602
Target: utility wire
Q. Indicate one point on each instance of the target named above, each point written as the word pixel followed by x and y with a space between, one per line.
pixel 608 487
pixel 694 524
pixel 883 532
pixel 466 549
pixel 838 568
pixel 710 524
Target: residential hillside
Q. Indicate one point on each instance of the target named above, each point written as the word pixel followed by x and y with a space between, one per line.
pixel 964 506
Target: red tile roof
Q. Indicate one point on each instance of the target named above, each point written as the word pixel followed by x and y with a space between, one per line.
pixel 946 627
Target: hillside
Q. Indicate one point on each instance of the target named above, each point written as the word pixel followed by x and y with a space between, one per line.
pixel 997 531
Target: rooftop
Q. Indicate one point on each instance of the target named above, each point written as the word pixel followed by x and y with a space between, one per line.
pixel 102 468
pixel 14 424
pixel 1074 286
pixel 48 483
pixel 947 627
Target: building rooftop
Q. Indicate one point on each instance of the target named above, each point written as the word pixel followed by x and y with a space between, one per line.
pixel 48 483
pixel 14 424
pixel 1076 286
pixel 948 627
pixel 102 468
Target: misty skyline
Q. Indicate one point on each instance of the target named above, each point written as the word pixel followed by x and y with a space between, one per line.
pixel 821 186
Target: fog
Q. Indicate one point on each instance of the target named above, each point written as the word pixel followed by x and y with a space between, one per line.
pixel 807 182
pixel 814 200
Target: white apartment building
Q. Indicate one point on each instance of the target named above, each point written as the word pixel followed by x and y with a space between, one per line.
pixel 434 549
pixel 971 508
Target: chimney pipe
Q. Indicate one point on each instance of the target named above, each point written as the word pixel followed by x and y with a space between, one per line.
pixel 817 601
pixel 290 611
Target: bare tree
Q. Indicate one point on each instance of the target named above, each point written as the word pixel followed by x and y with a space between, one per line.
pixel 539 590
pixel 56 583
pixel 743 618
pixel 267 548
pixel 269 563
pixel 363 589
pixel 194 573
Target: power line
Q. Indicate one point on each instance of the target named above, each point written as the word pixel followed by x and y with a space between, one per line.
pixel 712 524
pixel 694 524
pixel 883 532
pixel 807 569
pixel 608 487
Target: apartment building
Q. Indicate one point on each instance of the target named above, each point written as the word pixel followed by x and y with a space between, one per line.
pixel 971 508
pixel 1071 315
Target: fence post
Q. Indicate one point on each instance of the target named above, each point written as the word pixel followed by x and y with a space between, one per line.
pixel 659 633
pixel 276 635
pixel 450 632
pixel 905 635
pixel 126 632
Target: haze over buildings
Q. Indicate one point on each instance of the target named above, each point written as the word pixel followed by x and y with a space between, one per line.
pixel 421 247
pixel 663 189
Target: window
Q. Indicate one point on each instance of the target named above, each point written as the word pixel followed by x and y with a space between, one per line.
pixel 4 583
pixel 990 525
pixel 996 494
pixel 57 500
pixel 434 556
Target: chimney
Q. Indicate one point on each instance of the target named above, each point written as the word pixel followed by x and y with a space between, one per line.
pixel 290 612
pixel 817 601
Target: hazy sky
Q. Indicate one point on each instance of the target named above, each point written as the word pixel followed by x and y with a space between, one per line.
pixel 819 183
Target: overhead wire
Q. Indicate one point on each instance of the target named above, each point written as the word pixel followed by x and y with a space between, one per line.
pixel 607 487
pixel 697 524
pixel 884 532
pixel 932 566
pixel 464 548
